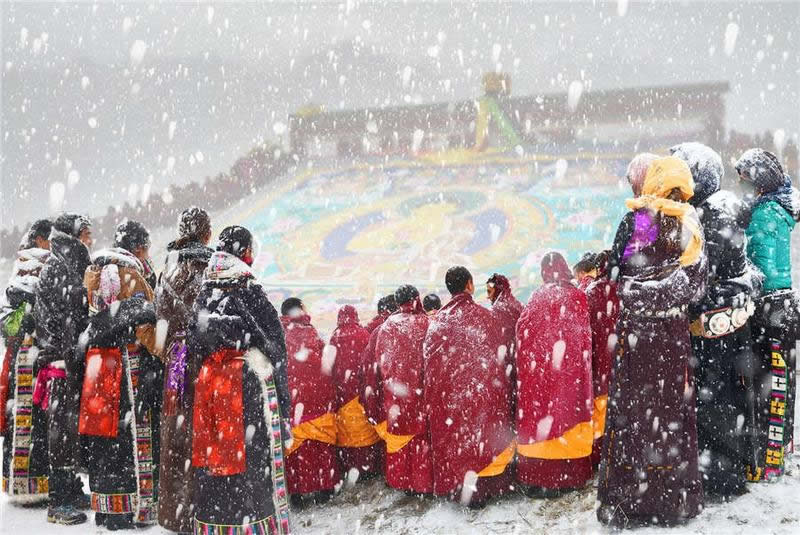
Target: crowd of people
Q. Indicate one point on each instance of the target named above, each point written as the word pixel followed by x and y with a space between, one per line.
pixel 664 366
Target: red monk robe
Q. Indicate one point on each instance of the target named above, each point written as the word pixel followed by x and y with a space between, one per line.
pixel 372 386
pixel 603 314
pixel 359 444
pixel 377 321
pixel 506 310
pixel 554 386
pixel 467 392
pixel 311 461
pixel 405 431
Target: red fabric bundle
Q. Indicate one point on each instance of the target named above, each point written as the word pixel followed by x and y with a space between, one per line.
pixel 4 382
pixel 218 419
pixel 99 410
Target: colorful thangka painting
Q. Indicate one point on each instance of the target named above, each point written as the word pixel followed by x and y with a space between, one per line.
pixel 352 235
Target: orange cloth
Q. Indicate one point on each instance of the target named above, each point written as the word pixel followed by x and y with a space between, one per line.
pixel 352 428
pixel 322 429
pixel 599 415
pixel 498 465
pixel 574 444
pixel 663 176
pixel 394 443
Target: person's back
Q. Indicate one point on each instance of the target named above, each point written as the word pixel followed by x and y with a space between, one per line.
pixel 25 453
pixel 238 355
pixel 776 322
pixel 467 392
pixel 505 308
pixel 119 399
pixel 372 385
pixel 405 431
pixel 312 465
pixel 554 384
pixel 720 327
pixel 357 441
pixel 178 286
pixel 61 315
pixel 62 312
pixel 769 241
pixel 649 472
pixel 603 301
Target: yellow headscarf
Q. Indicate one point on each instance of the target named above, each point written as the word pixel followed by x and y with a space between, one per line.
pixel 663 176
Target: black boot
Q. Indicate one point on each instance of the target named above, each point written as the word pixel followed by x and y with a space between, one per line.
pixel 65 514
pixel 117 522
pixel 61 510
pixel 99 519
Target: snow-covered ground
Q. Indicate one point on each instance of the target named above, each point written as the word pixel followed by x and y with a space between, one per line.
pixel 372 508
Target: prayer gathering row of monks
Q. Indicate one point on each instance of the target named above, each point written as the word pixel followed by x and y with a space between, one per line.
pixel 191 402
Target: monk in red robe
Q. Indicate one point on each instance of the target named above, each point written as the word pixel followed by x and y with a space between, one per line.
pixel 312 465
pixel 585 271
pixel 467 393
pixel 554 386
pixel 371 386
pixel 359 444
pixel 386 306
pixel 506 310
pixel 601 296
pixel 405 430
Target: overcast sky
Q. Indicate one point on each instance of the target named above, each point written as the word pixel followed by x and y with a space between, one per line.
pixel 129 95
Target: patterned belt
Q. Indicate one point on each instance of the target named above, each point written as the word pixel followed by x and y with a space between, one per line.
pixel 674 312
pixel 722 321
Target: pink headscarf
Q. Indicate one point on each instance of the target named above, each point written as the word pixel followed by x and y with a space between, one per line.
pixel 110 287
pixel 637 169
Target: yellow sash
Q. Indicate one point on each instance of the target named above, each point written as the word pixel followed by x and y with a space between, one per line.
pixel 321 429
pixel 599 416
pixel 394 443
pixel 574 444
pixel 352 428
pixel 498 465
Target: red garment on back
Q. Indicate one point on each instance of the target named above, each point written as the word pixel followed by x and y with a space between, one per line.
pixel 218 418
pixel 350 340
pixel 399 350
pixel 554 367
pixel 372 386
pixel 603 316
pixel 467 392
pixel 506 310
pixel 314 466
pixel 99 406
pixel 377 321
pixel 5 380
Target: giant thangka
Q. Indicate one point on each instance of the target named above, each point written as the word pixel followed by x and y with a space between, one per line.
pixel 349 235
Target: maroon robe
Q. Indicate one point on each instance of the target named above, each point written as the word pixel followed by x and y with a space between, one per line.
pixel 649 468
pixel 603 314
pixel 554 385
pixel 350 339
pixel 469 406
pixel 399 350
pixel 377 321
pixel 314 465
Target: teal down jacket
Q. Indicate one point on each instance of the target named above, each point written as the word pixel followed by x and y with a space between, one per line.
pixel 769 244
